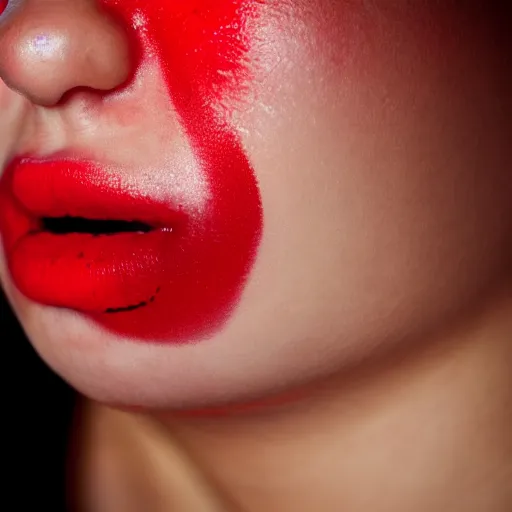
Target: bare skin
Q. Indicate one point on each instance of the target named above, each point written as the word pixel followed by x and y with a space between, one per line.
pixel 424 431
pixel 368 365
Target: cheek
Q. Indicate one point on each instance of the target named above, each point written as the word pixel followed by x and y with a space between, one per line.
pixel 383 116
pixel 381 167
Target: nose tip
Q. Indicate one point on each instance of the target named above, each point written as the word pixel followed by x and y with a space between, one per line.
pixel 49 47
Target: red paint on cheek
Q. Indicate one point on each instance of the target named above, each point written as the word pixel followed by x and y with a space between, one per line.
pixel 201 46
pixel 200 273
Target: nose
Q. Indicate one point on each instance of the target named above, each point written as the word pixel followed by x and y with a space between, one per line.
pixel 50 47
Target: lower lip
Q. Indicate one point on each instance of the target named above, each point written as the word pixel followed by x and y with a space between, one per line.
pixel 100 275
pixel 173 285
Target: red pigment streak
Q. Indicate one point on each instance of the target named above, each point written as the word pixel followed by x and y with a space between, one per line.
pixel 175 285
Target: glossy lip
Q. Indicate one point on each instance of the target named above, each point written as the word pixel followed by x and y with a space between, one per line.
pixel 176 283
pixel 69 270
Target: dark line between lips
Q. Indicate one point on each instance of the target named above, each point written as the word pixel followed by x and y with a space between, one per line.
pixel 94 227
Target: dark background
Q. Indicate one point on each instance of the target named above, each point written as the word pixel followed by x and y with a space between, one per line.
pixel 38 418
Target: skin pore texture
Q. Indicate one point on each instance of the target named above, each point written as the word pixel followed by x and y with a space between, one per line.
pixel 344 172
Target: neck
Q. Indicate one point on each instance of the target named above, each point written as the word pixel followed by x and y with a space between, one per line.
pixel 423 431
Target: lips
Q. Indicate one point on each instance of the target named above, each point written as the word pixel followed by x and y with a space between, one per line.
pixel 90 242
pixel 78 236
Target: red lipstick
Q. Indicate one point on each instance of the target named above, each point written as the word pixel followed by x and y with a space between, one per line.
pixel 93 245
pixel 77 236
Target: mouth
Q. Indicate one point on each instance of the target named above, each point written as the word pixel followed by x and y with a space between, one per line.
pixel 143 261
pixel 84 239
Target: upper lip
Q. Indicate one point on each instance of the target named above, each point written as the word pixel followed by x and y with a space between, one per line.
pixel 71 188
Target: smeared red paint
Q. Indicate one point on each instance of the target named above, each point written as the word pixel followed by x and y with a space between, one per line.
pixel 187 281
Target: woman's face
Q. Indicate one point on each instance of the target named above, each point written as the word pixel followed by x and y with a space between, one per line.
pixel 211 200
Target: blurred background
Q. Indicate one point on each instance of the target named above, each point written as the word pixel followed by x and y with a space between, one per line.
pixel 38 418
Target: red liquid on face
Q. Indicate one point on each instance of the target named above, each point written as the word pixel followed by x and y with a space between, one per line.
pixel 199 274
